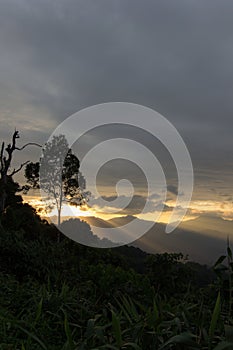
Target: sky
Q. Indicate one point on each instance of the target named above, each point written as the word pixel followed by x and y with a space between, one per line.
pixel 175 57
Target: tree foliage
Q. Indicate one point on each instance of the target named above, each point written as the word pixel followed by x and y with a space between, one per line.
pixel 58 175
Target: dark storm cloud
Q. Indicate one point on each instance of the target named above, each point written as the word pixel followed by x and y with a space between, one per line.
pixel 174 56
pixel 136 204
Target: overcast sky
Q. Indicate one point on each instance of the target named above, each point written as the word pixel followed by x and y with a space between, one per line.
pixel 173 56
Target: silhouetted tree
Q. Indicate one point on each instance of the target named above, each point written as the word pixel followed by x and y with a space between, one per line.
pixel 58 175
pixel 6 173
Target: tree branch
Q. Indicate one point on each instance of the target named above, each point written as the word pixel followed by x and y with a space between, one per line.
pixel 17 170
pixel 1 156
pixel 28 144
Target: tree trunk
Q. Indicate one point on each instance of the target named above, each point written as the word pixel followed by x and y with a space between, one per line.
pixel 58 224
pixel 3 194
pixel 59 217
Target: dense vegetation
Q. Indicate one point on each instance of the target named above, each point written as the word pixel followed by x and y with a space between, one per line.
pixel 68 296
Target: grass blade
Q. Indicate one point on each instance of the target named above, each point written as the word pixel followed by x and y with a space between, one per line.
pixel 215 317
pixel 117 329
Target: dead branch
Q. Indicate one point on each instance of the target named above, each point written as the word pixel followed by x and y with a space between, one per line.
pixel 28 144
pixel 1 156
pixel 15 171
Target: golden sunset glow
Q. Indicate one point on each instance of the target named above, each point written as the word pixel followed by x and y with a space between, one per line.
pixel 196 208
pixel 72 211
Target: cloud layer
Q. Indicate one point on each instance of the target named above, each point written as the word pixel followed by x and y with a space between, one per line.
pixel 176 57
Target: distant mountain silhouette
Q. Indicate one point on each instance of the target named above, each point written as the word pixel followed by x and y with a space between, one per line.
pixel 209 224
pixel 93 220
pixel 80 231
pixel 203 239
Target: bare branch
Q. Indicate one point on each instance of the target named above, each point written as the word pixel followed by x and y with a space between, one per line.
pixel 14 137
pixel 1 156
pixel 28 144
pixel 21 166
pixel 6 155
